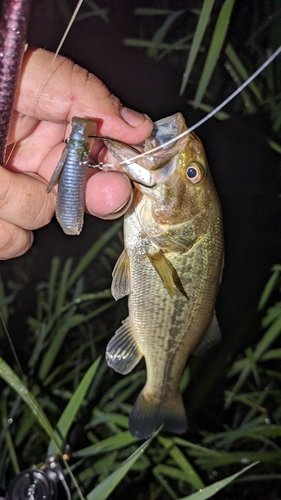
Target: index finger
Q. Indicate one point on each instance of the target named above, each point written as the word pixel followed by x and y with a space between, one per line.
pixel 56 89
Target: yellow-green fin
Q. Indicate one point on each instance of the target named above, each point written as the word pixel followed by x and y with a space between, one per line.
pixel 121 277
pixel 167 273
pixel 122 351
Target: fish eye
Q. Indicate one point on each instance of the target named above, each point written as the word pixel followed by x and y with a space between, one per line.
pixel 194 173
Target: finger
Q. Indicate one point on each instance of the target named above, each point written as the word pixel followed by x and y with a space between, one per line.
pixel 21 126
pixel 40 152
pixel 107 193
pixel 64 90
pixel 24 201
pixel 14 241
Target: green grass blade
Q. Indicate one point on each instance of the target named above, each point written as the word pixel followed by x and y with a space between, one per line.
pixel 198 449
pixel 241 70
pixel 8 437
pixel 225 459
pixel 173 472
pixel 9 376
pixel 178 45
pixel 256 406
pixel 148 44
pixel 55 264
pixel 198 35
pixel 272 354
pixel 182 462
pixel 115 418
pixel 215 49
pixel 69 323
pixel 149 11
pixel 164 483
pixel 104 489
pixel 121 440
pixel 129 383
pixel 96 11
pixel 209 491
pixel 220 115
pixel 3 303
pixel 44 329
pixel 271 334
pixel 72 408
pixel 161 33
pixel 93 251
pixel 57 342
pixel 271 314
pixel 270 285
pixel 253 364
pixel 274 145
pixel 63 285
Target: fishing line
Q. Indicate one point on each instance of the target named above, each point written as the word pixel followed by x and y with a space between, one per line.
pixel 11 346
pixel 69 26
pixel 129 146
pixel 212 113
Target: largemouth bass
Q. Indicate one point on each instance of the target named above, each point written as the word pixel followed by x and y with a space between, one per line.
pixel 170 269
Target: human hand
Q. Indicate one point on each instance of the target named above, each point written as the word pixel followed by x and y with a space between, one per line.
pixel 49 94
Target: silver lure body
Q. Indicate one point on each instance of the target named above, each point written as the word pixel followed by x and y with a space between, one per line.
pixel 71 176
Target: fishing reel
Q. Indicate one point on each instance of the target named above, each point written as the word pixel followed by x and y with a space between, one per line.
pixel 38 484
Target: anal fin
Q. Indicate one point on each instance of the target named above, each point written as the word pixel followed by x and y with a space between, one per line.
pixel 211 338
pixel 122 351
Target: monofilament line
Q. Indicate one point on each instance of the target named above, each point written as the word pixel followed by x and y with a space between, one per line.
pixel 212 113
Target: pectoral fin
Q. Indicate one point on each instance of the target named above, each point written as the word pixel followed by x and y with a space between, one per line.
pixel 211 337
pixel 58 170
pixel 167 273
pixel 123 352
pixel 121 277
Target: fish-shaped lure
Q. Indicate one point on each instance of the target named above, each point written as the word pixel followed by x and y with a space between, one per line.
pixel 170 269
pixel 71 176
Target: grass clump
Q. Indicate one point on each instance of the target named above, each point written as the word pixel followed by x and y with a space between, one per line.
pixel 66 404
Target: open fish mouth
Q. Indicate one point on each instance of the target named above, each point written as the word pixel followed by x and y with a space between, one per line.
pixel 156 167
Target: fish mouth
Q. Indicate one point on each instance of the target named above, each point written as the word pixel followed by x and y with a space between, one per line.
pixel 154 168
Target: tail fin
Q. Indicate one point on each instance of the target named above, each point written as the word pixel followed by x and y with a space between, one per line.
pixel 146 417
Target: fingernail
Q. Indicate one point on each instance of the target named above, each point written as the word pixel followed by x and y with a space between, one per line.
pixel 134 118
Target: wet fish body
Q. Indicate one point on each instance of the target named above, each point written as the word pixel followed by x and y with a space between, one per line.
pixel 170 269
pixel 71 176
